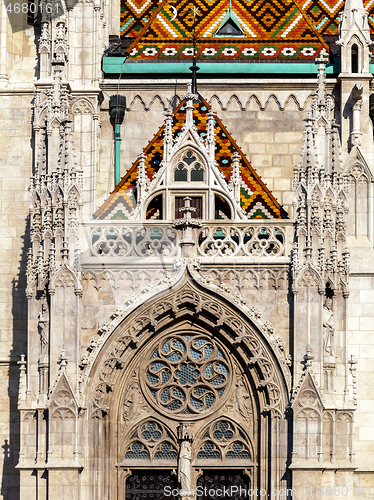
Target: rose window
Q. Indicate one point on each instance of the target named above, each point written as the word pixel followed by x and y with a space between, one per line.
pixel 187 374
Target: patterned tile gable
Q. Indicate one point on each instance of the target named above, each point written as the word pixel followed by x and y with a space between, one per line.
pixel 256 199
pixel 273 28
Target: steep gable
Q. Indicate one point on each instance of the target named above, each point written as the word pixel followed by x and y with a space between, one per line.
pixel 255 198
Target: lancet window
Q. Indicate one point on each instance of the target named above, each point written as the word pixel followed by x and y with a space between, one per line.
pixel 223 439
pixel 189 169
pixel 151 440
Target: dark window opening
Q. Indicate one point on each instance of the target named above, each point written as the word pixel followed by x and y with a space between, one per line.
pixel 147 485
pixel 197 173
pixel 229 29
pixel 222 208
pixel 196 202
pixel 235 481
pixel 154 210
pixel 180 174
pixel 354 57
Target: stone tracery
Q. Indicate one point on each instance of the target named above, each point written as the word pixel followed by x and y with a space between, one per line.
pixel 187 374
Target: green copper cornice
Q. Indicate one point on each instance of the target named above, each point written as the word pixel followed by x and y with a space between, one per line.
pixel 117 65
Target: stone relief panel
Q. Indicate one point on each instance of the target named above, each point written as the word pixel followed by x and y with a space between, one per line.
pixel 134 404
pixel 240 279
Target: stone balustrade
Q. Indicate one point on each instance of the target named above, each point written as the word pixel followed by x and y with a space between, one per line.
pixel 115 240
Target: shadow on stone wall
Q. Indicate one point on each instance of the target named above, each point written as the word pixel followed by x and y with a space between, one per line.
pixel 10 479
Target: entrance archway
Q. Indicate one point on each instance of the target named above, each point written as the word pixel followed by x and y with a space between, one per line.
pixel 186 368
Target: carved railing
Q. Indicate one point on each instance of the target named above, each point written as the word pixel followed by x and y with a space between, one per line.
pixel 119 241
pixel 130 241
pixel 239 240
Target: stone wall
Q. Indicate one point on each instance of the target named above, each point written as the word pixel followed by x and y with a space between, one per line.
pixel 15 172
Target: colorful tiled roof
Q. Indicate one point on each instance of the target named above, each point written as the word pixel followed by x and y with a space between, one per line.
pixel 273 28
pixel 256 199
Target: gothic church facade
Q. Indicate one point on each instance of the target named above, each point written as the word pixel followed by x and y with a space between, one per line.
pixel 187 277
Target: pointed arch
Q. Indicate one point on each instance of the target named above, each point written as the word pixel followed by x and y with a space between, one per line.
pixel 82 106
pixel 208 340
pixel 211 312
pixel 149 439
pixel 224 438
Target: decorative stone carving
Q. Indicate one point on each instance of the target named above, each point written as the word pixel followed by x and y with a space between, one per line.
pixel 328 327
pixel 172 305
pixel 43 326
pixel 186 374
pixel 185 432
pixel 224 440
pixel 151 440
pixel 63 404
pixel 320 194
pixel 134 404
pixel 224 241
pixel 242 400
pixel 134 241
pixel 239 279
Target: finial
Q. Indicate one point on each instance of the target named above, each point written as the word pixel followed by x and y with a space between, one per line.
pixel 187 209
pixel 235 176
pixel 308 356
pixel 65 251
pixel 63 360
pixel 194 68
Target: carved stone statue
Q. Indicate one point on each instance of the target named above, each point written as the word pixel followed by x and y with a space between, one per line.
pixel 133 403
pixel 43 326
pixel 242 400
pixel 328 326
pixel 185 468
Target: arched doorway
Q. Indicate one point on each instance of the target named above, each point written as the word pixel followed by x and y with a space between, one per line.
pixel 186 393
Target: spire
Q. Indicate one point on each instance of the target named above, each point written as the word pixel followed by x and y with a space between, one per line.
pixel 354 38
pixel 168 142
pixel 211 140
pixel 309 157
pixel 194 68
pixel 235 176
pixel 142 178
pixel 354 18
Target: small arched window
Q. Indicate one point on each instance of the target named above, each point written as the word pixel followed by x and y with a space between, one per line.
pixel 222 208
pixel 189 169
pixel 180 173
pixel 354 59
pixel 154 209
pixel 197 173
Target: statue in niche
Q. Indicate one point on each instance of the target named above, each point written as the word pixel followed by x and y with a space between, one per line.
pixel 185 468
pixel 242 400
pixel 134 403
pixel 328 327
pixel 43 326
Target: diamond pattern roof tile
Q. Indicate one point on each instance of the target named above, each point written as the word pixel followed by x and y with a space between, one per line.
pixel 273 28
